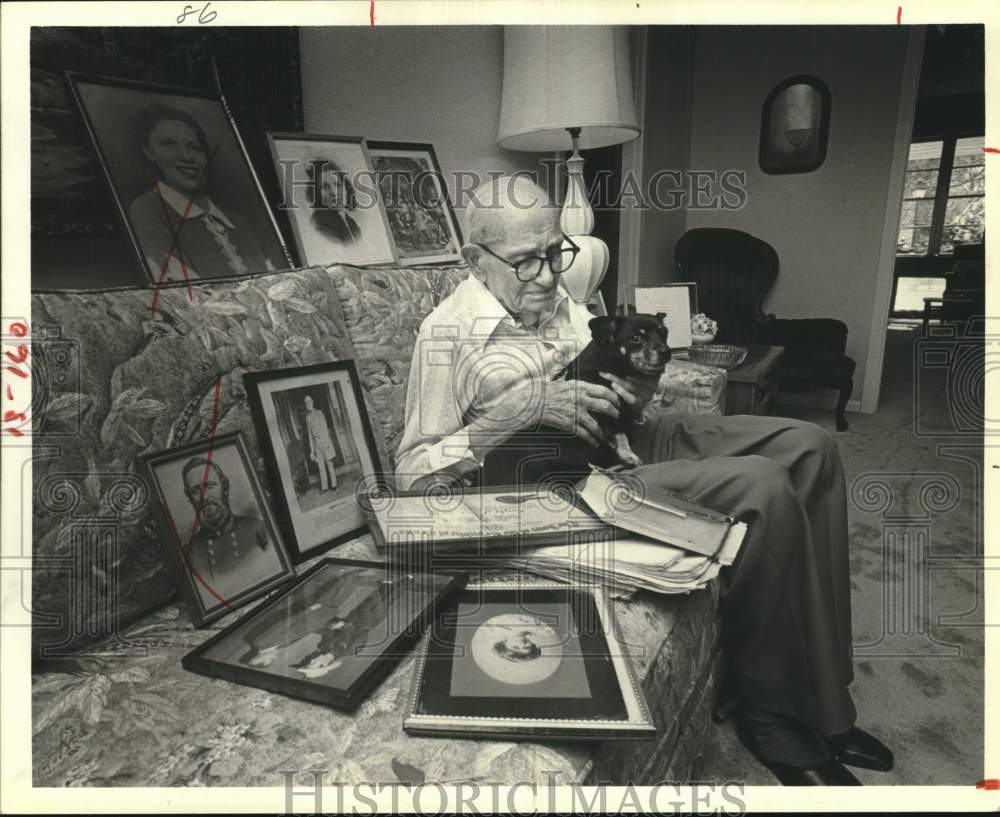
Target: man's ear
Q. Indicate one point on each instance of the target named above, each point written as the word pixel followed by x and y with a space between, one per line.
pixel 603 328
pixel 473 257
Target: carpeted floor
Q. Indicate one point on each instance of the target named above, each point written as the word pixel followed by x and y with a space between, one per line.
pixel 914 476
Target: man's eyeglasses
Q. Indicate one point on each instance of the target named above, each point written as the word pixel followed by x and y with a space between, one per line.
pixel 559 259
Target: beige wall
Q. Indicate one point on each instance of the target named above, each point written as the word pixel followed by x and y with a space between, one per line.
pixel 826 226
pixel 666 143
pixel 437 84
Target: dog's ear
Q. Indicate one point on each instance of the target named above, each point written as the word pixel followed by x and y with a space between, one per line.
pixel 602 329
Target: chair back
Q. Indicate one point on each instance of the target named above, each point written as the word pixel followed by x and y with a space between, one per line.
pixel 734 271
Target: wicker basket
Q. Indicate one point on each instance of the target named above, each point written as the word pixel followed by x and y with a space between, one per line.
pixel 717 354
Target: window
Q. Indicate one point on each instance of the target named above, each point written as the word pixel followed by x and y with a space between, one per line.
pixel 942 197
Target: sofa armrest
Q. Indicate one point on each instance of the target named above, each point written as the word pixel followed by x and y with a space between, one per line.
pixel 688 388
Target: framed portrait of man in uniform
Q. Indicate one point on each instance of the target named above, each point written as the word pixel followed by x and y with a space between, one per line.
pixel 214 519
pixel 317 441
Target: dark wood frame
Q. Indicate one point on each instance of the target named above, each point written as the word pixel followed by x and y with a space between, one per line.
pixel 498 717
pixel 291 222
pixel 816 161
pixel 375 145
pixel 72 77
pixel 195 661
pixel 170 536
pixel 251 382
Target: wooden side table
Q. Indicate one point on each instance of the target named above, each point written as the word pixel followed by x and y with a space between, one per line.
pixel 750 386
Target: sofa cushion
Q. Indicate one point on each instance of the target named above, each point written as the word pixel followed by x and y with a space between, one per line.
pixel 120 376
pixel 383 310
pixel 131 716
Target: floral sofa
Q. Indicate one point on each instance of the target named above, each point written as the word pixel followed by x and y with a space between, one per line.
pixel 118 376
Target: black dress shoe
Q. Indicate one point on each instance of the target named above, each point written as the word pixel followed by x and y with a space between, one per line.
pixel 856 747
pixel 828 773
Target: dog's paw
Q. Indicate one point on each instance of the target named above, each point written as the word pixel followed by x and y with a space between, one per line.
pixel 625 452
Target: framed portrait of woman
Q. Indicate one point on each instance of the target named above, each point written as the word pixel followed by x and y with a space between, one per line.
pixel 330 199
pixel 181 179
pixel 319 448
pixel 421 219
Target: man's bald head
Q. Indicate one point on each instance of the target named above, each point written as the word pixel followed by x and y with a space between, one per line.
pixel 510 219
pixel 501 207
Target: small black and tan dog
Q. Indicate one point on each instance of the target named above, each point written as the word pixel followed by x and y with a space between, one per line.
pixel 630 346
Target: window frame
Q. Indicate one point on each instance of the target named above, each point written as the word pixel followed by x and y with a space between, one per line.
pixel 949 142
pixel 931 264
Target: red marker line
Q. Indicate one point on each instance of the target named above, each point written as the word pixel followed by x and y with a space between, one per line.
pixel 186 552
pixel 180 250
pixel 991 150
pixel 899 15
pixel 18 372
pixel 990 784
pixel 14 431
pixel 176 235
pixel 10 394
pixel 371 12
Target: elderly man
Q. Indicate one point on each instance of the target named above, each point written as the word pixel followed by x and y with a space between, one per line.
pixel 482 371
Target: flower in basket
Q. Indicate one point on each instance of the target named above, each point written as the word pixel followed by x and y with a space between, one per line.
pixel 703 328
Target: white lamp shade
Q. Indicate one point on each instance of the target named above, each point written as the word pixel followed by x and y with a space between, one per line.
pixel 558 77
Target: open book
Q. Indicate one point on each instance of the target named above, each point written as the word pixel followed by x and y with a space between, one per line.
pixel 621 500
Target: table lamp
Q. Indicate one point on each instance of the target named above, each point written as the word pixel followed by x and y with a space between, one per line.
pixel 569 87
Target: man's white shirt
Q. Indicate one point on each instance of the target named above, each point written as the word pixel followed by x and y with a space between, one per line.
pixel 469 353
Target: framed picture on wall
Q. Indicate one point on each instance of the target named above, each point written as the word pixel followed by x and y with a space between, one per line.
pixel 181 179
pixel 421 219
pixel 795 126
pixel 214 518
pixel 330 199
pixel 318 445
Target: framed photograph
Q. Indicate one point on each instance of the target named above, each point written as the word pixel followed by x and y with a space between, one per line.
pixel 214 517
pixel 527 660
pixel 317 441
pixel 181 180
pixel 452 517
pixel 331 636
pixel 331 200
pixel 678 301
pixel 421 219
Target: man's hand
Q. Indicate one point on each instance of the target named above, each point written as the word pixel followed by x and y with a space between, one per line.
pixel 566 405
pixel 636 391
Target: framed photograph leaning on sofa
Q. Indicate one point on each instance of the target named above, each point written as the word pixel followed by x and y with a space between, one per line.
pixel 215 520
pixel 331 199
pixel 421 218
pixel 527 660
pixel 181 179
pixel 317 441
pixel 329 637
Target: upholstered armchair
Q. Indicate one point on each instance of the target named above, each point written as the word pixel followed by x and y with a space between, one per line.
pixel 734 271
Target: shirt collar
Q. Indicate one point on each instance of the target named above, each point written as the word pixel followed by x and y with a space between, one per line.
pixel 180 204
pixel 490 313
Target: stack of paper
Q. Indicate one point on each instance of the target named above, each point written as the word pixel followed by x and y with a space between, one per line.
pixel 625 562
